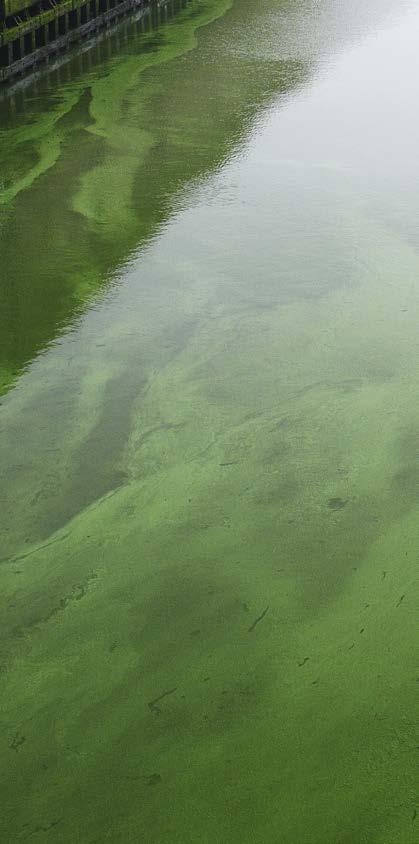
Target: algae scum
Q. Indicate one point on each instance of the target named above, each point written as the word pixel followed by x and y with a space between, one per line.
pixel 209 442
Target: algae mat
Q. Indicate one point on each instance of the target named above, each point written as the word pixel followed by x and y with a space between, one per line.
pixel 209 432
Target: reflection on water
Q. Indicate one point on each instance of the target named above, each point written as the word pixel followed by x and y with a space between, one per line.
pixel 104 155
pixel 208 336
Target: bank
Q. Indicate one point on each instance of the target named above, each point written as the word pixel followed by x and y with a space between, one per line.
pixel 32 34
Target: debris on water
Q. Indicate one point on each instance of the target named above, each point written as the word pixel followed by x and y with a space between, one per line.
pixel 257 620
pixel 153 703
pixel 337 503
pixel 153 779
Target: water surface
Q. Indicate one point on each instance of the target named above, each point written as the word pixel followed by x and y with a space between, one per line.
pixel 209 431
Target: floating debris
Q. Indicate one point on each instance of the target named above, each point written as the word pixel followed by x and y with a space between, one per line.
pixel 257 620
pixel 337 503
pixel 153 703
pixel 153 779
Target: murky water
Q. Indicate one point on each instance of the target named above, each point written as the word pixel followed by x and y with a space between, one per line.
pixel 209 365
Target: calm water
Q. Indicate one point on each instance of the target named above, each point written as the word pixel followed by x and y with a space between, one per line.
pixel 209 377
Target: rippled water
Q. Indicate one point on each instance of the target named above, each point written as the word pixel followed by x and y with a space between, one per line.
pixel 209 362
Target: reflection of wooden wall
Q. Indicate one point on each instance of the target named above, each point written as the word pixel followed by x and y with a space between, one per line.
pixel 27 39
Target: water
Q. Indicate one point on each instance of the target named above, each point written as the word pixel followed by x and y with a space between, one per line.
pixel 209 263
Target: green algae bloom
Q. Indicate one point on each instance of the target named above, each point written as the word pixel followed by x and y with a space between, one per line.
pixel 208 420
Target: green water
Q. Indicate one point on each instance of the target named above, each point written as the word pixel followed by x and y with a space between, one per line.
pixel 209 448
